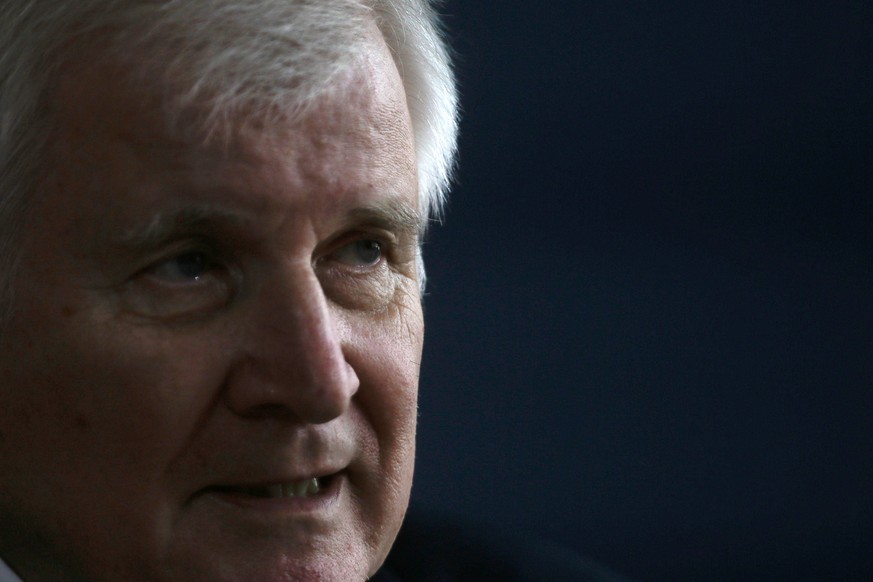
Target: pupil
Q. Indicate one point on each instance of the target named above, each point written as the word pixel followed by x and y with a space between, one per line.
pixel 191 265
pixel 370 250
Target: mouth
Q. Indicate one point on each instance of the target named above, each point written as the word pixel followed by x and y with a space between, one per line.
pixel 305 488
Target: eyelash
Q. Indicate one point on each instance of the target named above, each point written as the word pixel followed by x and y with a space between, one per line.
pixel 210 259
pixel 203 262
pixel 197 278
pixel 374 245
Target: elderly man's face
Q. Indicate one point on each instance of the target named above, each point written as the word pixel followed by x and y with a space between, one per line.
pixel 203 331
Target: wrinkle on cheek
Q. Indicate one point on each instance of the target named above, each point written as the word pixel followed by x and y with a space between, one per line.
pixel 405 307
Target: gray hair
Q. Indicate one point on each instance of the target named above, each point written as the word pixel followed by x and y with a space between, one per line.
pixel 249 57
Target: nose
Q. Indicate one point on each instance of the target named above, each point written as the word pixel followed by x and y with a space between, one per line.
pixel 292 364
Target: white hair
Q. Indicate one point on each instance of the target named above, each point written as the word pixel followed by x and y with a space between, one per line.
pixel 242 58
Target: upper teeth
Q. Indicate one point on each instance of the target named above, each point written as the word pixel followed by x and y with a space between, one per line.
pixel 297 489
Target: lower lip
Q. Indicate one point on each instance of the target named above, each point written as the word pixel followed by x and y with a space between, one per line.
pixel 322 501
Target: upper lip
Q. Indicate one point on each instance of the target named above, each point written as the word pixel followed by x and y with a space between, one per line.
pixel 249 476
pixel 267 482
pixel 312 454
pixel 253 477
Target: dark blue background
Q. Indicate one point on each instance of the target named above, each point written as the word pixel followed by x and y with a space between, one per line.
pixel 650 309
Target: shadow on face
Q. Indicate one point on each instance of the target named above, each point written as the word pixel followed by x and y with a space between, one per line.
pixel 212 369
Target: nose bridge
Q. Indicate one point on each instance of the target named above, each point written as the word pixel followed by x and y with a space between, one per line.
pixel 313 330
pixel 296 352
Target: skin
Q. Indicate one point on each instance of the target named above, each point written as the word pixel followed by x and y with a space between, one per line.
pixel 195 318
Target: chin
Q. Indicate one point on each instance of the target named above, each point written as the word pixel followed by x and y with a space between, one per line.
pixel 349 566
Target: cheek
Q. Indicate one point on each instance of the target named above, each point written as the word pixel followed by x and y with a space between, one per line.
pixel 154 393
pixel 387 363
pixel 88 414
pixel 386 355
pixel 110 397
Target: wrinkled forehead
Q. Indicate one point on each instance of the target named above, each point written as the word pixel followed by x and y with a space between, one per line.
pixel 107 96
pixel 205 72
pixel 356 137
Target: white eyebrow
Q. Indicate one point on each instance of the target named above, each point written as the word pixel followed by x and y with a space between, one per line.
pixel 164 224
pixel 393 215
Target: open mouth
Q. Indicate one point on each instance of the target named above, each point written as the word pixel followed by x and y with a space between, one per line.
pixel 305 488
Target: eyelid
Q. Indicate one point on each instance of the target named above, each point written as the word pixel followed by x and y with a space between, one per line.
pixel 387 240
pixel 216 265
pixel 207 264
pixel 177 248
pixel 152 296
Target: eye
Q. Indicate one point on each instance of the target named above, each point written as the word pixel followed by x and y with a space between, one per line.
pixel 360 253
pixel 189 284
pixel 184 268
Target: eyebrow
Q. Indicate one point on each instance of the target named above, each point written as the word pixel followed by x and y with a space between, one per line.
pixel 392 215
pixel 164 224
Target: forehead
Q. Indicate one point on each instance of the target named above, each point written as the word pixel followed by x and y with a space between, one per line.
pixel 96 94
pixel 361 124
